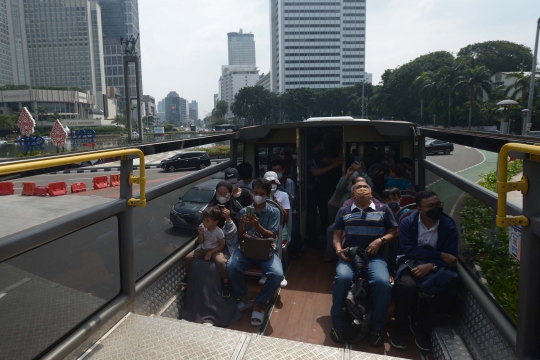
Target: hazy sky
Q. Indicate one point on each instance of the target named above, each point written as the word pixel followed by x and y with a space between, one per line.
pixel 184 42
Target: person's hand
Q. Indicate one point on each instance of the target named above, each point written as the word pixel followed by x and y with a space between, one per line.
pixel 341 254
pixel 422 270
pixel 277 201
pixel 207 257
pixel 201 229
pixel 337 162
pixel 244 220
pixel 253 221
pixel 350 170
pixel 374 247
pixel 451 260
pixel 226 214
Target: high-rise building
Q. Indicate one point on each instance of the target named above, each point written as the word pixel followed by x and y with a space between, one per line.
pixel 120 18
pixel 216 99
pixel 194 111
pixel 161 106
pixel 184 111
pixel 264 81
pixel 56 43
pixel 172 109
pixel 317 44
pixel 232 79
pixel 241 48
pixel 6 69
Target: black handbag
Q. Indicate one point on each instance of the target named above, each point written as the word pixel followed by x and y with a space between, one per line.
pixel 257 247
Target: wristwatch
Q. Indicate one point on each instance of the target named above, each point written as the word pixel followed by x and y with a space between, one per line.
pixel 434 266
pixel 383 241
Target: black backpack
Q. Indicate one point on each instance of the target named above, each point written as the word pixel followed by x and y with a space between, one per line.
pixel 359 309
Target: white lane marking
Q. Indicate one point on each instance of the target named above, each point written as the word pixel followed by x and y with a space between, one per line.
pixel 2 295
pixel 14 286
pixel 467 147
pixel 457 172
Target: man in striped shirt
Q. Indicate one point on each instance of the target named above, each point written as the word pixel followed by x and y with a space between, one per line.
pixel 368 226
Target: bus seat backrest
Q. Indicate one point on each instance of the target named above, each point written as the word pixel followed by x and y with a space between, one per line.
pixel 405 215
pixel 280 229
pixel 406 200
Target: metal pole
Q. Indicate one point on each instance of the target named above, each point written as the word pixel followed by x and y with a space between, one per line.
pixel 127 97
pixel 528 323
pixel 421 178
pixel 125 232
pixel 363 85
pixel 138 80
pixel 531 87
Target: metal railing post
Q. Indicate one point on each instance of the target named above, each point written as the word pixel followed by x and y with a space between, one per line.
pixel 125 232
pixel 421 169
pixel 528 323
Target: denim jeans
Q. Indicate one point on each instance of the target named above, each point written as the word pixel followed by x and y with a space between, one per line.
pixel 379 281
pixel 271 268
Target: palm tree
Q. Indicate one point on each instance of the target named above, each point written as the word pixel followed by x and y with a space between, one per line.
pixel 476 81
pixel 432 83
pixel 449 78
pixel 520 87
pixel 419 88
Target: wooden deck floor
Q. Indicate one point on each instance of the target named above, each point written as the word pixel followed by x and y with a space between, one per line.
pixel 302 312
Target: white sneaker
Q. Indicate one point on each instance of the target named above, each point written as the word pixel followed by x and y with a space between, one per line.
pixel 283 283
pixel 262 280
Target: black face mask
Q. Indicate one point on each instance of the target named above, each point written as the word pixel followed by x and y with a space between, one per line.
pixel 435 213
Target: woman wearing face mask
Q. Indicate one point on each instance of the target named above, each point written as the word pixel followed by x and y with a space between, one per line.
pixel 242 195
pixel 392 198
pixel 224 199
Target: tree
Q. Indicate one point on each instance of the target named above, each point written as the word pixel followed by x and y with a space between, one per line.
pixel 419 87
pixel 449 77
pixel 520 87
pixel 119 120
pixel 476 81
pixel 433 81
pixel 149 120
pixel 253 103
pixel 221 108
pixel 497 56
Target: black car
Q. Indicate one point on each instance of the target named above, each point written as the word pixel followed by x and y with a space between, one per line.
pixel 192 159
pixel 187 213
pixel 437 146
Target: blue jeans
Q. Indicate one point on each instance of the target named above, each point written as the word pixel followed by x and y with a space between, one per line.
pixel 379 281
pixel 271 268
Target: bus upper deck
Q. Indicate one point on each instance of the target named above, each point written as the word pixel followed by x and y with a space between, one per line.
pixel 89 271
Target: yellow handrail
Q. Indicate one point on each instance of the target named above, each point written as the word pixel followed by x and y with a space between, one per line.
pixel 504 186
pixel 70 159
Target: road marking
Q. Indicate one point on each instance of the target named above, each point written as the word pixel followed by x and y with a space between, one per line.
pixel 467 147
pixel 470 167
pixel 14 286
pixel 2 295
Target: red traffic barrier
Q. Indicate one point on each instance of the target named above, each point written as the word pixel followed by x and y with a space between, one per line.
pixel 57 188
pixel 78 187
pixel 6 188
pixel 29 188
pixel 100 182
pixel 41 190
pixel 115 180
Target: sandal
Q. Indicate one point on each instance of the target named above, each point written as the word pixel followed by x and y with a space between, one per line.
pixel 257 318
pixel 243 306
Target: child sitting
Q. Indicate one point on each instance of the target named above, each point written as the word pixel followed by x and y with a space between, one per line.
pixel 212 242
pixel 397 180
pixel 392 198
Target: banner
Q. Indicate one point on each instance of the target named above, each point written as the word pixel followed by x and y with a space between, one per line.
pixel 173 108
pixel 159 130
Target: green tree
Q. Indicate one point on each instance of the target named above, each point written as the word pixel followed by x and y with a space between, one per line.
pixel 521 87
pixel 221 109
pixel 449 76
pixel 476 81
pixel 119 120
pixel 253 103
pixel 497 56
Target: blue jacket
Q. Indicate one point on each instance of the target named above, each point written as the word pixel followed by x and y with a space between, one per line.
pixel 447 240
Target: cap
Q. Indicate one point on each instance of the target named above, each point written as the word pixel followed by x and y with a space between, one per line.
pixel 231 173
pixel 271 176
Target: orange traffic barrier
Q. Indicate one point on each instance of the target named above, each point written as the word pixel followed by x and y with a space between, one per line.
pixel 115 180
pixel 41 190
pixel 6 188
pixel 29 188
pixel 57 188
pixel 78 187
pixel 101 182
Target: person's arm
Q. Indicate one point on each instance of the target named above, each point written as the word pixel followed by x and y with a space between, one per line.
pixel 408 243
pixel 200 239
pixel 375 245
pixel 289 185
pixel 449 251
pixel 341 187
pixel 273 224
pixel 243 221
pixel 323 170
pixel 220 247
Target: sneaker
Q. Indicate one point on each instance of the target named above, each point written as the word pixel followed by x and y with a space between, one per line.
pixel 262 280
pixel 226 291
pixel 421 339
pixel 184 280
pixel 376 338
pixel 398 340
pixel 283 283
pixel 337 334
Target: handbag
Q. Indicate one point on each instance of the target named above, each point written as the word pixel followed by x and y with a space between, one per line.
pixel 434 282
pixel 256 247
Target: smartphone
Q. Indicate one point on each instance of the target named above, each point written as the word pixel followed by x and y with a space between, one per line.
pixel 357 159
pixel 220 206
pixel 250 210
pixel 410 264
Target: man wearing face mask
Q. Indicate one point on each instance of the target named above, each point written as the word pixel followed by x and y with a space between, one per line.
pixel 369 227
pixel 430 237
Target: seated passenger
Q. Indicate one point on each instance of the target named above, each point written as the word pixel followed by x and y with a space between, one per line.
pixel 370 227
pixel 245 175
pixel 242 195
pixel 212 242
pixel 392 198
pixel 397 180
pixel 344 186
pixel 287 185
pixel 266 223
pixel 428 239
pixel 408 164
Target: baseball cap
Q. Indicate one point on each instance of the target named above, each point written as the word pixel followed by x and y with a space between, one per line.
pixel 231 174
pixel 271 176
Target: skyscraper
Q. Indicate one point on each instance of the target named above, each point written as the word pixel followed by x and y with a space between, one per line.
pixel 317 44
pixel 120 18
pixel 194 110
pixel 241 48
pixel 6 70
pixel 172 109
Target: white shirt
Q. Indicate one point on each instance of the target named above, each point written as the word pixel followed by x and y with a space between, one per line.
pixel 283 199
pixel 371 205
pixel 427 236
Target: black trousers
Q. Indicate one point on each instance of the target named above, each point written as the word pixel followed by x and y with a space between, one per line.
pixel 426 313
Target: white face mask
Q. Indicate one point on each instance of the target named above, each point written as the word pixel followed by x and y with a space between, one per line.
pixel 259 199
pixel 222 199
pixel 274 187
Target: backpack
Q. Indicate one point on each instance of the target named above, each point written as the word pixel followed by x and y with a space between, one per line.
pixel 359 309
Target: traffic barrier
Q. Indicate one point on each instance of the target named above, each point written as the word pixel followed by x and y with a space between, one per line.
pixel 41 190
pixel 29 188
pixel 6 188
pixel 100 182
pixel 57 188
pixel 115 180
pixel 78 187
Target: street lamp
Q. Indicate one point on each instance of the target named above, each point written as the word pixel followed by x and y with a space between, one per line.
pixel 506 107
pixel 526 126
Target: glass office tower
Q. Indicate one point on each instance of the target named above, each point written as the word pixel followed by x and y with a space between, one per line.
pixel 6 71
pixel 241 48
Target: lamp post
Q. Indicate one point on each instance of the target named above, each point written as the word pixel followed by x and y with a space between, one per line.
pixel 533 79
pixel 506 107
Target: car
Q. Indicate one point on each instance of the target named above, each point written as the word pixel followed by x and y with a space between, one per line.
pixel 3 142
pixel 134 134
pixel 187 213
pixel 434 146
pixel 192 159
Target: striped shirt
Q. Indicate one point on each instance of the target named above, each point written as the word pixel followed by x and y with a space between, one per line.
pixel 362 227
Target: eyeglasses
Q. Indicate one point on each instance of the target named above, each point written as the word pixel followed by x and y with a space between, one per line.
pixel 432 206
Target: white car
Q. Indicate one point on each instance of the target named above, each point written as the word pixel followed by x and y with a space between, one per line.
pixel 3 142
pixel 134 134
